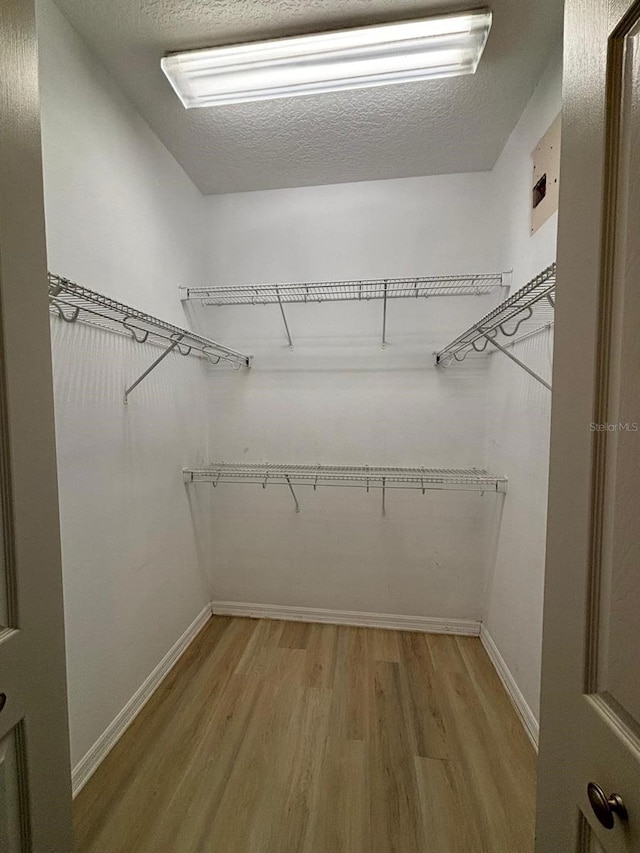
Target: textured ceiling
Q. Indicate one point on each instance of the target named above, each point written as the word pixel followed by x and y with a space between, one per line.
pixel 451 125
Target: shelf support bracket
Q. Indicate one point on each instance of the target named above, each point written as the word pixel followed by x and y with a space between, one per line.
pixel 163 355
pixel 519 363
pixel 384 317
pixel 293 494
pixel 284 318
pixel 384 497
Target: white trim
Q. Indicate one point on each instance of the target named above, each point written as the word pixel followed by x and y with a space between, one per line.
pixel 525 713
pixel 398 622
pixel 87 765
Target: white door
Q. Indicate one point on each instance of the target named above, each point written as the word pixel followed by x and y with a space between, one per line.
pixel 35 782
pixel 589 773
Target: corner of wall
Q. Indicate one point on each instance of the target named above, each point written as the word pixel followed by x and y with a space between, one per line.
pixel 518 411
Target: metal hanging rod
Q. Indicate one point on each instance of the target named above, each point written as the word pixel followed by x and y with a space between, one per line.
pixel 343 476
pixel 72 302
pixel 530 310
pixel 342 291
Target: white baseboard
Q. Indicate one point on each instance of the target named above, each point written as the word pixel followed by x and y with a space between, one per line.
pixel 525 713
pixel 87 765
pixel 429 624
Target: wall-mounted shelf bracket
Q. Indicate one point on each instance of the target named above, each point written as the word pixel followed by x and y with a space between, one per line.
pixel 293 494
pixel 284 320
pixel 520 363
pixel 384 317
pixel 162 356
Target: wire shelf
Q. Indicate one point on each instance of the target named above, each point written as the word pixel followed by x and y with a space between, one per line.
pixel 342 291
pixel 367 477
pixel 529 310
pixel 72 302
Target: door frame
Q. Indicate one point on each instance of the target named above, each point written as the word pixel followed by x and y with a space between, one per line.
pixel 571 588
pixel 32 650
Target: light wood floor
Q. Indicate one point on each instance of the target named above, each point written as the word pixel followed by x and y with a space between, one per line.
pixel 295 738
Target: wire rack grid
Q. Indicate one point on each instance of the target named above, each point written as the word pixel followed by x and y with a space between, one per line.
pixel 72 302
pixel 529 310
pixel 349 290
pixel 367 477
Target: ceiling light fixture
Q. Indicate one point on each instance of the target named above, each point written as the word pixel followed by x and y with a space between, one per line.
pixel 403 52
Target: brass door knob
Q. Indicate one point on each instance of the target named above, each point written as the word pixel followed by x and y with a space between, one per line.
pixel 605 808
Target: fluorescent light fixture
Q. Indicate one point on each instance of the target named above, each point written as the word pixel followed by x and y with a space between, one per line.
pixel 403 52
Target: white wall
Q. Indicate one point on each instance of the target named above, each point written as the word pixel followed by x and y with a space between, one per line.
pixel 340 398
pixel 411 226
pixel 518 410
pixel 122 218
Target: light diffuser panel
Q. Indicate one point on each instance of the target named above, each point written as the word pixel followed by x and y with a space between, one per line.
pixel 329 62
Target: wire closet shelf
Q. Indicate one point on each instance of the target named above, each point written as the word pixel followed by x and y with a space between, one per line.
pixel 349 290
pixel 350 476
pixel 72 302
pixel 527 312
pixel 353 290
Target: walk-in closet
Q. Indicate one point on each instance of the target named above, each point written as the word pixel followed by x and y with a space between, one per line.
pixel 302 363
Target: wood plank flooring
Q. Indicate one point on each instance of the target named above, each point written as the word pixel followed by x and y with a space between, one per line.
pixel 282 737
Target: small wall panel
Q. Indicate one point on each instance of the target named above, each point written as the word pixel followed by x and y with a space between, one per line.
pixel 546 176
